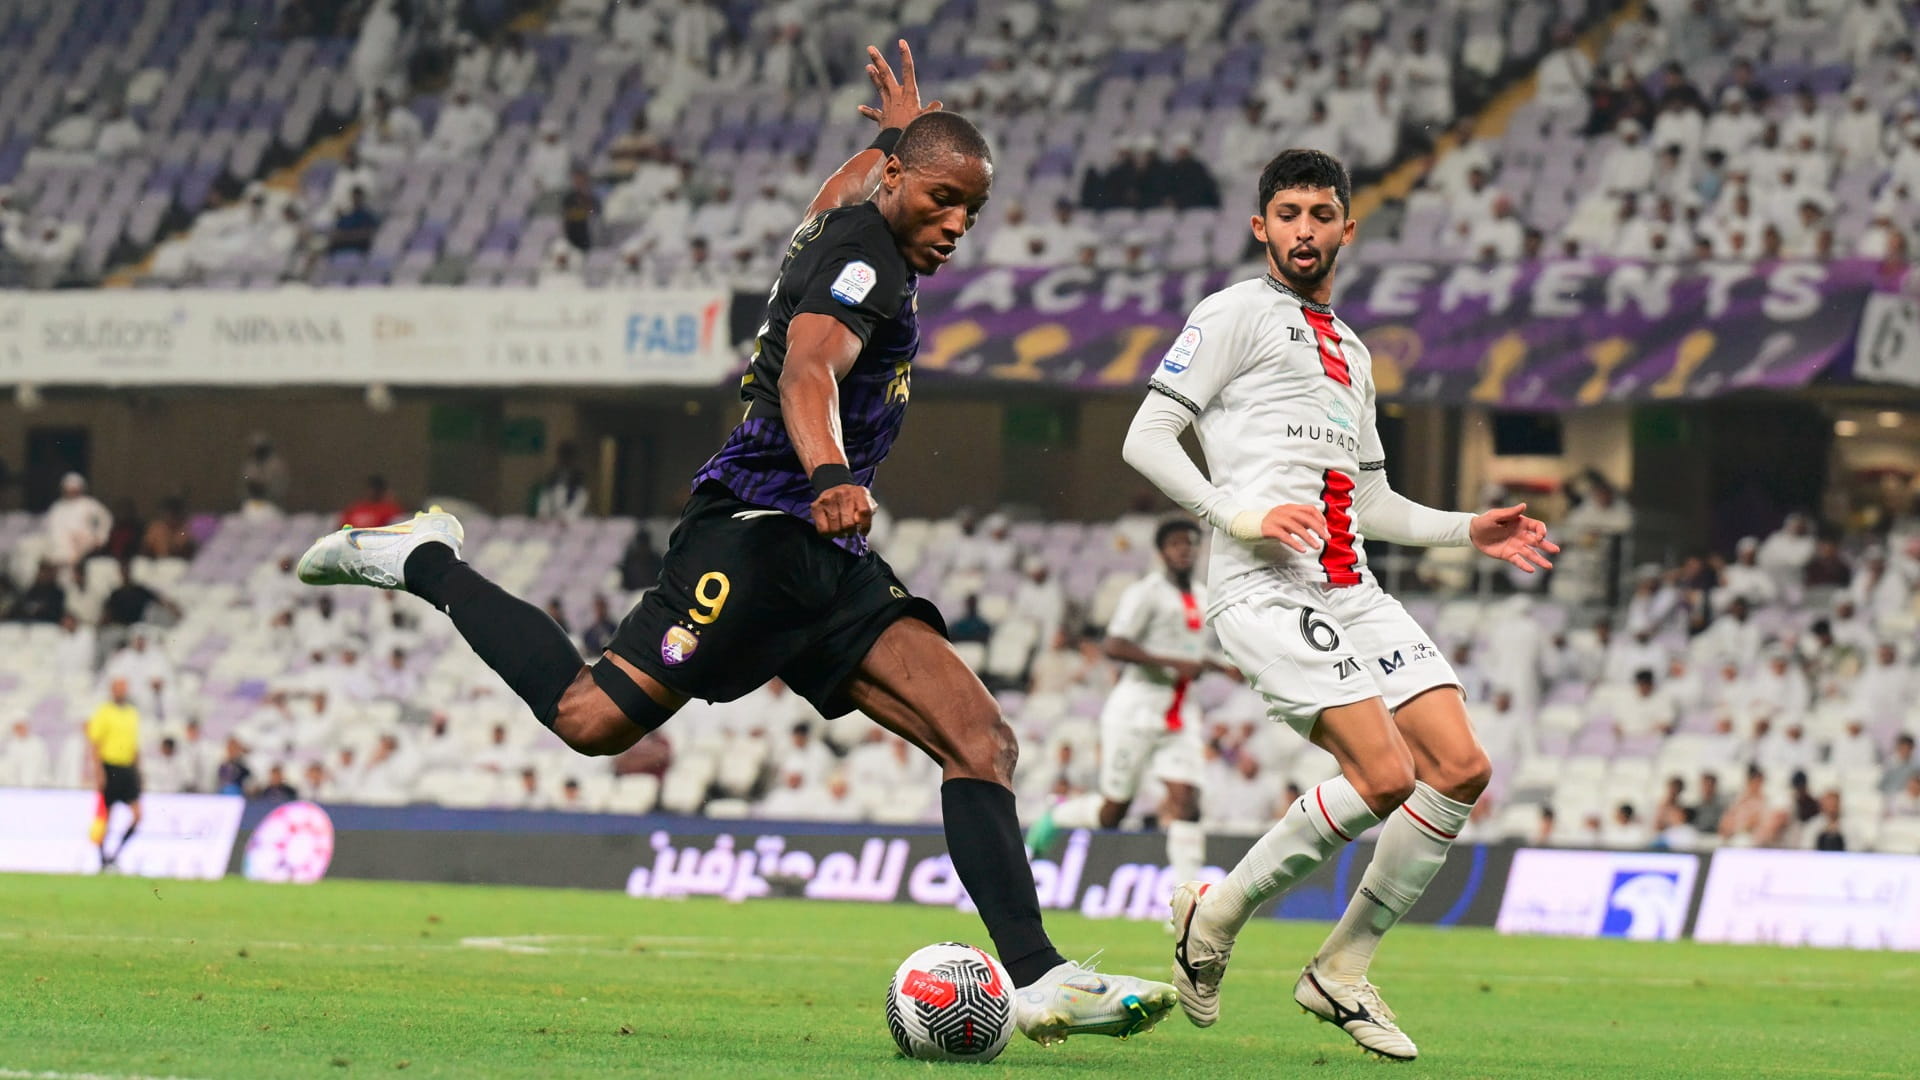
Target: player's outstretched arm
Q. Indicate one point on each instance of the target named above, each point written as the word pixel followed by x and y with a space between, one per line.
pixel 1385 514
pixel 899 105
pixel 820 352
pixel 1506 534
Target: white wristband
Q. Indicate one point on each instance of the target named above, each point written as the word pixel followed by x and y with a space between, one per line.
pixel 1246 525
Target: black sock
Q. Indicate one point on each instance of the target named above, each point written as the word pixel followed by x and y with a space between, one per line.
pixel 517 640
pixel 121 848
pixel 983 836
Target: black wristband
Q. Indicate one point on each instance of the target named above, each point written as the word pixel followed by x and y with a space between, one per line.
pixel 831 475
pixel 886 140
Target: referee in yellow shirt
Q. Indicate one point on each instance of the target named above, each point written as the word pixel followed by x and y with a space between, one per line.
pixel 113 734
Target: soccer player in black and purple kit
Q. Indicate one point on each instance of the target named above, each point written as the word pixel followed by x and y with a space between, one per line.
pixel 769 572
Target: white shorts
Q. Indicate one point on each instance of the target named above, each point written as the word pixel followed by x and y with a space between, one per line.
pixel 1308 647
pixel 1134 733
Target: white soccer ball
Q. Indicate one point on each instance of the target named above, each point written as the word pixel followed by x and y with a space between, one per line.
pixel 950 1002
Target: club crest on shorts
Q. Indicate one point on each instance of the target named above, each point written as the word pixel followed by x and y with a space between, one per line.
pixel 677 645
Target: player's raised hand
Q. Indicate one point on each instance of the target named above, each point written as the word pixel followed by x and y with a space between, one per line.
pixel 1509 535
pixel 844 511
pixel 899 98
pixel 1302 528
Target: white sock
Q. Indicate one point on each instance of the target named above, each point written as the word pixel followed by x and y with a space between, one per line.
pixel 1079 812
pixel 1412 846
pixel 1186 849
pixel 1314 827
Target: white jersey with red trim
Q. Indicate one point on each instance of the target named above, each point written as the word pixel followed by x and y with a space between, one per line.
pixel 1283 392
pixel 1156 615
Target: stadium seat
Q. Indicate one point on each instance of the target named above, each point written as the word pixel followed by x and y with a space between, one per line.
pixel 972 653
pixel 741 767
pixel 1900 836
pixel 635 794
pixel 687 782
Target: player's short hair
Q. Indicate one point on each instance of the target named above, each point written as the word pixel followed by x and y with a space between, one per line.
pixel 936 134
pixel 1301 168
pixel 1171 527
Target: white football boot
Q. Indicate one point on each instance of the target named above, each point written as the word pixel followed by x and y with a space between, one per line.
pixel 1356 1009
pixel 1199 957
pixel 377 557
pixel 1074 999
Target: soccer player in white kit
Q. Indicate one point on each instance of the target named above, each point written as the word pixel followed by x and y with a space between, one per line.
pixel 1158 631
pixel 1282 394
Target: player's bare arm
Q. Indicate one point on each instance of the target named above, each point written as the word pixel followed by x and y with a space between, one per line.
pixel 820 352
pixel 899 105
pixel 1128 652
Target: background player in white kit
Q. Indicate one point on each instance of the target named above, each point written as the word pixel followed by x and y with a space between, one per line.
pixel 1282 394
pixel 1159 633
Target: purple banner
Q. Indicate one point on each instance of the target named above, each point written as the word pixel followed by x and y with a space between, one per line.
pixel 1548 335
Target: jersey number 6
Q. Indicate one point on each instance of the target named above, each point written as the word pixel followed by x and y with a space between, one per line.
pixel 1318 632
pixel 710 593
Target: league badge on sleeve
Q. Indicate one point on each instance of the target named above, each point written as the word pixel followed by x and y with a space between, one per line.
pixel 856 280
pixel 1181 354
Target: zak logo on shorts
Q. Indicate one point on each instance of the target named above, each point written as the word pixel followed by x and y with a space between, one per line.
pixel 678 645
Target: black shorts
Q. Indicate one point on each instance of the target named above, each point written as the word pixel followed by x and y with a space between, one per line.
pixel 748 593
pixel 122 784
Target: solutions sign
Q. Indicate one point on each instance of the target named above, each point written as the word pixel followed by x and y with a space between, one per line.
pixel 404 337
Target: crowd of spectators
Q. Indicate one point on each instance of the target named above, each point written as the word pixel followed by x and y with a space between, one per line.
pixel 1341 86
pixel 1702 158
pixel 1726 166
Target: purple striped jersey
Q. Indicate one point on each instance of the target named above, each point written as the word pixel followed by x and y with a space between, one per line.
pixel 841 264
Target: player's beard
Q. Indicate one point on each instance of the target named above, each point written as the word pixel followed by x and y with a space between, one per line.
pixel 1304 284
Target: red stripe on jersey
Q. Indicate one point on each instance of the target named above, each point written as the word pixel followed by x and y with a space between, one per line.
pixel 1194 623
pixel 1338 558
pixel 1332 360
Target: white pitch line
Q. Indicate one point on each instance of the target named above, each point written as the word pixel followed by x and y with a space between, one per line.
pixel 523 945
pixel 547 945
pixel 22 1074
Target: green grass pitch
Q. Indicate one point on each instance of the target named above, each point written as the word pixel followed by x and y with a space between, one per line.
pixel 122 977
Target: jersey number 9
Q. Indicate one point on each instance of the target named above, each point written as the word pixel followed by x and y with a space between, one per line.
pixel 710 593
